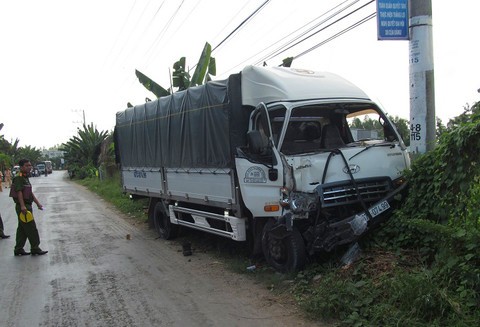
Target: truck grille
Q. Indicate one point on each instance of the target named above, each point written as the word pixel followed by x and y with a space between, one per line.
pixel 342 193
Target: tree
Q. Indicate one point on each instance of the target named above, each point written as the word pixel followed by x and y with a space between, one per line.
pixel 372 124
pixel 470 113
pixel 82 151
pixel 8 149
pixel 106 158
pixel 31 153
pixel 402 127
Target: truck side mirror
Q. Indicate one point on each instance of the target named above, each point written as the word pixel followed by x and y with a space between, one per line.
pixel 256 145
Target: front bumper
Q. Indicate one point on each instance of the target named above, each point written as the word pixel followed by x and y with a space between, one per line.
pixel 352 228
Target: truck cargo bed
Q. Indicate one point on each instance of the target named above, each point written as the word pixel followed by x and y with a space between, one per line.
pixel 206 186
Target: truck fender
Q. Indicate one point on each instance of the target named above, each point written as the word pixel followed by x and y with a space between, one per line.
pixel 283 227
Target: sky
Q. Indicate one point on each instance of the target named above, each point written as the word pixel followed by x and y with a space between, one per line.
pixel 65 62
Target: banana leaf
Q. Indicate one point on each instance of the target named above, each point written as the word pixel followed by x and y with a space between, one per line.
pixel 180 76
pixel 287 62
pixel 151 85
pixel 202 66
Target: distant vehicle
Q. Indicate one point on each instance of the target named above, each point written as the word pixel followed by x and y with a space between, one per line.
pixel 15 170
pixel 35 172
pixel 44 165
pixel 49 167
pixel 41 167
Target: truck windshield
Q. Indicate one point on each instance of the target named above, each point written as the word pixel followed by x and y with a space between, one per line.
pixel 323 127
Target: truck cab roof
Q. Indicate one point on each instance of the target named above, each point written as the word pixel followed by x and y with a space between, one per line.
pixel 273 84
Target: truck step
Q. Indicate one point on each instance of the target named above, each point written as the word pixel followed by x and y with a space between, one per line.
pixel 237 225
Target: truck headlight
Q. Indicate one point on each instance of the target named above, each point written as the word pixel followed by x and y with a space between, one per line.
pixel 303 202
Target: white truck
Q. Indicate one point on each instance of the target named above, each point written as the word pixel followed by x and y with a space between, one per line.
pixel 268 155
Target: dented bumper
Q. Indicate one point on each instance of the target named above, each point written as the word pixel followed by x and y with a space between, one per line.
pixel 352 228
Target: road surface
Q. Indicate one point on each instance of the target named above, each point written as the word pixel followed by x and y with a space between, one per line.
pixel 94 276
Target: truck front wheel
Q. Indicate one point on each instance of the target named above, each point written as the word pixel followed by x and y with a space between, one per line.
pixel 161 221
pixel 285 254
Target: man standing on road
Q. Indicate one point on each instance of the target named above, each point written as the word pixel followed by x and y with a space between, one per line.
pixel 22 195
pixel 2 234
pixel 8 177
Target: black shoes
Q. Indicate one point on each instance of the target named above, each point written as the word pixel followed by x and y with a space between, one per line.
pixel 34 252
pixel 39 252
pixel 20 252
pixel 4 236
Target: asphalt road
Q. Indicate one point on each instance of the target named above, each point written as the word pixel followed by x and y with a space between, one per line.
pixel 94 276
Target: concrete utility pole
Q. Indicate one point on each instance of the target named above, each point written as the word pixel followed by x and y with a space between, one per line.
pixel 422 87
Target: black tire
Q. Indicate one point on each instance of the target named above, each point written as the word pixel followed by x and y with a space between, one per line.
pixel 286 254
pixel 161 222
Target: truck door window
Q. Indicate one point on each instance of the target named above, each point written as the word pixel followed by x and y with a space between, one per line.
pixel 260 139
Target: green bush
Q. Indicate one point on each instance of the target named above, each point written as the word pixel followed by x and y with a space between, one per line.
pixel 442 181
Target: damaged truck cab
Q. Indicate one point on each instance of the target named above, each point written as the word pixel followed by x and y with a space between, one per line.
pixel 297 176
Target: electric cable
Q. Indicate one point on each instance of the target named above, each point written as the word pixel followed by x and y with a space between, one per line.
pixel 186 17
pixel 315 33
pixel 351 27
pixel 220 32
pixel 241 24
pixel 299 36
pixel 133 29
pixel 319 23
pixel 119 33
pixel 162 33
pixel 273 54
pixel 245 21
pixel 139 39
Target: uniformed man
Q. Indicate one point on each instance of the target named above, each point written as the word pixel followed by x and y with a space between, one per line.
pixel 22 195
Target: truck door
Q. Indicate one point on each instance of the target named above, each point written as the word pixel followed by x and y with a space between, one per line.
pixel 259 168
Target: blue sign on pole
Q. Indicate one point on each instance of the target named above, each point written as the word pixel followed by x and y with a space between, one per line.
pixel 392 19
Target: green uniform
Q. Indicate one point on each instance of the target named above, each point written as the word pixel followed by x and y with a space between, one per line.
pixel 25 230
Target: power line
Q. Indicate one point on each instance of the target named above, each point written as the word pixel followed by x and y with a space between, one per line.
pixel 241 24
pixel 277 50
pixel 315 33
pixel 183 21
pixel 162 33
pixel 245 4
pixel 351 27
pixel 245 21
pixel 134 28
pixel 120 33
pixel 299 36
pixel 139 39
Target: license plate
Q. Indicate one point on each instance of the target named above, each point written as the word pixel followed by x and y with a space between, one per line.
pixel 360 222
pixel 379 208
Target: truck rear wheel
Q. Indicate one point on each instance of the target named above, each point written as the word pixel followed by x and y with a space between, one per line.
pixel 161 221
pixel 284 254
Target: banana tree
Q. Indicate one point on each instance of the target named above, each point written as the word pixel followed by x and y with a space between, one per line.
pixel 180 77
